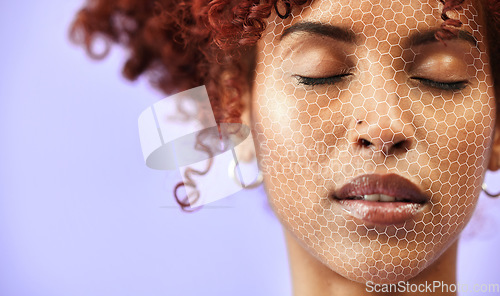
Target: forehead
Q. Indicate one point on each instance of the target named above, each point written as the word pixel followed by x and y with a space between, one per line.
pixel 364 10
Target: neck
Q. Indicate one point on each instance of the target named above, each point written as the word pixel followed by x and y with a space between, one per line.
pixel 311 277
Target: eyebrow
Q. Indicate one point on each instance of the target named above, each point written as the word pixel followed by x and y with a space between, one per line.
pixel 335 32
pixel 429 36
pixel 347 35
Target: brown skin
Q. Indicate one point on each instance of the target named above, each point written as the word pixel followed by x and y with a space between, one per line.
pixel 311 277
pixel 309 135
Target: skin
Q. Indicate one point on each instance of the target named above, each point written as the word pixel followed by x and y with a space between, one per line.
pixel 311 132
pixel 311 277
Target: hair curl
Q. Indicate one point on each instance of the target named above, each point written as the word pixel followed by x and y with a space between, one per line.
pixel 179 45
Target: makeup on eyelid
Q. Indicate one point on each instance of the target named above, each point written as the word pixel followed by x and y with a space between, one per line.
pixel 451 64
pixel 309 57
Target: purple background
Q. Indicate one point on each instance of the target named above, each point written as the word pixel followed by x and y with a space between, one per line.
pixel 81 214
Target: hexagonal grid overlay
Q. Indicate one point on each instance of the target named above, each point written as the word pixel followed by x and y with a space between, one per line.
pixel 369 94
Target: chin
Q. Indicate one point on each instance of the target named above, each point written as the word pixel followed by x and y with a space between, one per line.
pixel 376 254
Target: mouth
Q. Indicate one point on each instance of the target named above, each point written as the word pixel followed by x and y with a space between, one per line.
pixel 381 199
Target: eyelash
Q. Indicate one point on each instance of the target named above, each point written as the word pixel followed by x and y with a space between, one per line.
pixel 309 81
pixel 449 86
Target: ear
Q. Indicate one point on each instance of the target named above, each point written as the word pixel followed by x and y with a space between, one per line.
pixel 494 163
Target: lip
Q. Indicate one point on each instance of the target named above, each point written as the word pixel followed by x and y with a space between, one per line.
pixel 409 199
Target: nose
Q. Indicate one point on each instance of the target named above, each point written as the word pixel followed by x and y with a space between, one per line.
pixel 386 133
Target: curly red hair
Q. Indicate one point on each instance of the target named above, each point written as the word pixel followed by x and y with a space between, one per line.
pixel 179 45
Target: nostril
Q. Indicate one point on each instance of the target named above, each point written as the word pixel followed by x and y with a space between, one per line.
pixel 364 143
pixel 401 145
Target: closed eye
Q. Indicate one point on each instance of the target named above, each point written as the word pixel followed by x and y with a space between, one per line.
pixel 331 80
pixel 449 86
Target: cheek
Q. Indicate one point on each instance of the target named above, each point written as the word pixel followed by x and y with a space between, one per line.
pixel 302 141
pixel 459 156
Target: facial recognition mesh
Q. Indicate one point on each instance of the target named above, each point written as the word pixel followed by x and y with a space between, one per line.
pixel 369 91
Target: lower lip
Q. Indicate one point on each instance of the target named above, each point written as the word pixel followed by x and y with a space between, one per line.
pixel 382 213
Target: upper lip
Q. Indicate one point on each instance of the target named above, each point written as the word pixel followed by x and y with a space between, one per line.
pixel 388 184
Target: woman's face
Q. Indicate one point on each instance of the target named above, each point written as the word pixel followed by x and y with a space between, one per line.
pixel 374 137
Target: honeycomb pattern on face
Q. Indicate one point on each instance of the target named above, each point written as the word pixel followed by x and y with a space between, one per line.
pixel 329 105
